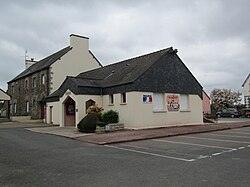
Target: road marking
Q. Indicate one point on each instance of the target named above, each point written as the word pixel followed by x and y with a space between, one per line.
pixel 239 132
pixel 215 154
pixel 151 154
pixel 241 148
pixel 213 139
pixel 139 147
pixel 229 135
pixel 201 145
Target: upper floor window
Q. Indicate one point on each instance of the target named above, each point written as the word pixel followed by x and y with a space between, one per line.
pixel 13 89
pixel 249 87
pixel 26 83
pixel 43 79
pixel 111 99
pixel 123 98
pixel 34 82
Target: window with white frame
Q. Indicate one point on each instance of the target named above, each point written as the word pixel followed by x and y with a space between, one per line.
pixel 158 101
pixel 123 98
pixel 27 106
pixel 111 99
pixel 249 87
pixel 14 107
pixel 42 79
pixel 184 103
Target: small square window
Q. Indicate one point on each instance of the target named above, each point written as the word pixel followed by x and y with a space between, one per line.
pixel 111 99
pixel 184 103
pixel 123 98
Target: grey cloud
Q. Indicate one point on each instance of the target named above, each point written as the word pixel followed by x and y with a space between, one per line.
pixel 212 36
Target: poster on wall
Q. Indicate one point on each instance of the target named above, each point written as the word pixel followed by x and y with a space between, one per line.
pixel 147 99
pixel 173 102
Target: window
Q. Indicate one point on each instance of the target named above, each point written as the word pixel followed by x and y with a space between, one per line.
pixel 42 80
pixel 158 100
pixel 26 83
pixel 123 98
pixel 11 109
pixel 249 87
pixel 27 106
pixel 184 102
pixel 13 89
pixel 111 99
pixel 14 107
pixel 34 82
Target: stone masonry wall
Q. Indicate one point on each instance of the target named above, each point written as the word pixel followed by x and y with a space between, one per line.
pixel 32 89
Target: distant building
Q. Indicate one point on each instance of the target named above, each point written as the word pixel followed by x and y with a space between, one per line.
pixel 206 105
pixel 4 103
pixel 151 90
pixel 246 91
pixel 30 88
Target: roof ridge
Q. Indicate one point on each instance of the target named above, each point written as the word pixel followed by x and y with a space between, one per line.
pixel 39 65
pixel 136 57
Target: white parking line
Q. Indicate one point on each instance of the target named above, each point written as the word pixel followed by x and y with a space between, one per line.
pixel 241 148
pixel 213 139
pixel 160 150
pixel 229 135
pixel 238 132
pixel 201 145
pixel 151 154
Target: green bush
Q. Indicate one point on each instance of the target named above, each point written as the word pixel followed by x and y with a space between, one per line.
pixel 89 122
pixel 110 116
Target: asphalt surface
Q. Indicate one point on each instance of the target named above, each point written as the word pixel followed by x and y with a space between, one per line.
pixel 218 158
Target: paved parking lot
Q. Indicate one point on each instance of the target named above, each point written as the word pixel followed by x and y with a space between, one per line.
pixel 190 148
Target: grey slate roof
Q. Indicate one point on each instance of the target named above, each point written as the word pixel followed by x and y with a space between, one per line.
pixel 120 73
pixel 42 64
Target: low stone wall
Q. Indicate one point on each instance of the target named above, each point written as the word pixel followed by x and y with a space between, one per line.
pixel 20 118
pixel 110 128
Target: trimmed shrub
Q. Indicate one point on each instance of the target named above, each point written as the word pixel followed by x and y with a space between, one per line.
pixel 89 122
pixel 110 116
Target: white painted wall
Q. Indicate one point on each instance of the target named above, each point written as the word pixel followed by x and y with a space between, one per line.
pixel 76 61
pixel 4 96
pixel 55 112
pixel 246 87
pixel 134 113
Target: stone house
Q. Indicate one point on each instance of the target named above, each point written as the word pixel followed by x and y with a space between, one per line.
pixel 246 91
pixel 151 90
pixel 30 88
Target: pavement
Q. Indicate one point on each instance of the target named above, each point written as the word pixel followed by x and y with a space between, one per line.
pixel 127 135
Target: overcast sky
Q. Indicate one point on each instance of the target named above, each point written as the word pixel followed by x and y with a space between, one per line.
pixel 212 36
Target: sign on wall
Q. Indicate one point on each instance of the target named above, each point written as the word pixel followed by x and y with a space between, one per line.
pixel 147 99
pixel 173 102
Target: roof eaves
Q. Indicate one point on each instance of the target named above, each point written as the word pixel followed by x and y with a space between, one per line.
pixel 245 80
pixel 20 76
pixel 95 58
